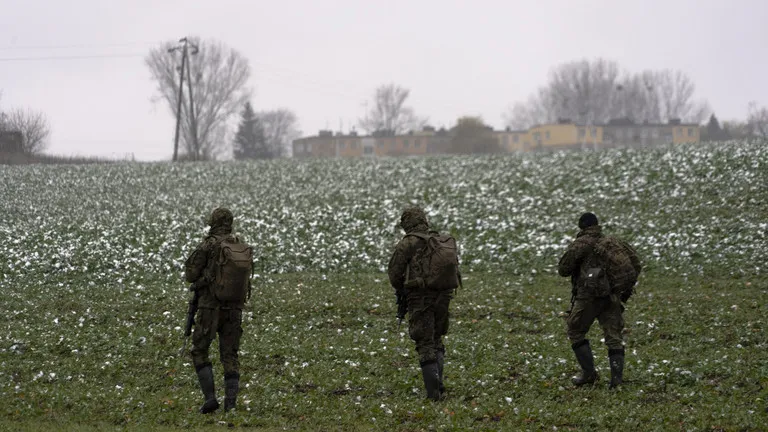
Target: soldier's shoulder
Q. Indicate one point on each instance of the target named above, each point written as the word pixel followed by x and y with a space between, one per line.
pixel 209 241
pixel 406 242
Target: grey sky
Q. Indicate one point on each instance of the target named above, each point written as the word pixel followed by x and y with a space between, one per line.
pixel 323 59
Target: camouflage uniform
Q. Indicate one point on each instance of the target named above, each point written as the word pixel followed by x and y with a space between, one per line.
pixel 214 317
pixel 428 314
pixel 587 307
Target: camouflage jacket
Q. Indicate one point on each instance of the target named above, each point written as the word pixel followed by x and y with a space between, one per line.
pixel 198 269
pixel 579 257
pixel 401 258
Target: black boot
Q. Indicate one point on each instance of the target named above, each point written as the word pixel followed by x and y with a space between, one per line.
pixel 231 387
pixel 431 375
pixel 440 363
pixel 586 361
pixel 205 376
pixel 616 359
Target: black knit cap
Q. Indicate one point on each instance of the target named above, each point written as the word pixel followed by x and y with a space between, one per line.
pixel 587 220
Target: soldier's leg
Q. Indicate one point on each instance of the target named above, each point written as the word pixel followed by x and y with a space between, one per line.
pixel 230 332
pixel 612 321
pixel 421 328
pixel 442 315
pixel 203 334
pixel 579 321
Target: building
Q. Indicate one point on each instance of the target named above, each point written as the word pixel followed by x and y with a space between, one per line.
pixel 626 133
pixel 563 135
pixel 328 144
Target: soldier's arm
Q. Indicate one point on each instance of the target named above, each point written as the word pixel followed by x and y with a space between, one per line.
pixel 634 259
pixel 398 263
pixel 196 263
pixel 572 257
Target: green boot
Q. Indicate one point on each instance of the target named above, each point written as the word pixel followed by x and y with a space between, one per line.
pixel 586 361
pixel 231 387
pixel 205 376
pixel 616 359
pixel 431 375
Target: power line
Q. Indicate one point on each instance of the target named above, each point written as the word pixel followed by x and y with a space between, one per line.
pixel 41 47
pixel 69 57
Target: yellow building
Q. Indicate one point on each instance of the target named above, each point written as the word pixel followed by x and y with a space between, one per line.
pixel 546 137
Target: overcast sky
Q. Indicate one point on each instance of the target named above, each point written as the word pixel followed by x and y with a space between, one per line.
pixel 323 58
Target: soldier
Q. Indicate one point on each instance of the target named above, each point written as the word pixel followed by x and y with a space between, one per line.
pixel 580 262
pixel 428 289
pixel 220 269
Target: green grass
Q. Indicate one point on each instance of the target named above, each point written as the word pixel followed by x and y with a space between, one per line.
pixel 325 353
pixel 92 304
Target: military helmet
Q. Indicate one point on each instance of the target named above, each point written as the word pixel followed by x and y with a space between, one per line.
pixel 413 216
pixel 220 217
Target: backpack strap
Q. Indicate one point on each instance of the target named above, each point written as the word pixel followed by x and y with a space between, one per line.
pixel 419 235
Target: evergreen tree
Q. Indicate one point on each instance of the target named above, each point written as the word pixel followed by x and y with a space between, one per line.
pixel 250 141
pixel 713 131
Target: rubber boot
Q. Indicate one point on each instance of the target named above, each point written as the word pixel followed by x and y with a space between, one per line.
pixel 231 387
pixel 431 375
pixel 440 363
pixel 587 362
pixel 205 376
pixel 616 359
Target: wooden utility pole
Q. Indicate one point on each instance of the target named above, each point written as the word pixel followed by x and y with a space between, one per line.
pixel 192 118
pixel 183 48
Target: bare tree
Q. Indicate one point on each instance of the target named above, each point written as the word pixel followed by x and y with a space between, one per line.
pixel 281 127
pixel 757 120
pixel 581 91
pixel 596 91
pixel 33 126
pixel 675 92
pixel 219 77
pixel 389 113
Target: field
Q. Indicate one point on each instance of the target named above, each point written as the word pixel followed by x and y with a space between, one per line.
pixel 93 301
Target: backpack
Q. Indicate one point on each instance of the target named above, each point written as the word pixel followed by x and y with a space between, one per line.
pixel 438 262
pixel 232 270
pixel 620 265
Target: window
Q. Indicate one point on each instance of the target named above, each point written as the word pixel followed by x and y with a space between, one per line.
pixel 368 150
pixel 593 132
pixel 643 133
pixel 343 145
pixel 515 138
pixel 546 135
pixel 405 143
pixel 680 131
pixel 417 142
pixel 654 133
pixel 582 132
pixel 690 132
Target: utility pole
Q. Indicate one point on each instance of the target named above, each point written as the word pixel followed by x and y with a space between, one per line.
pixel 192 118
pixel 183 49
pixel 185 68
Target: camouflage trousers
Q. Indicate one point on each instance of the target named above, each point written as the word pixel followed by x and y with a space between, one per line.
pixel 428 322
pixel 608 313
pixel 227 323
